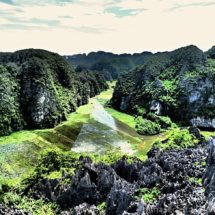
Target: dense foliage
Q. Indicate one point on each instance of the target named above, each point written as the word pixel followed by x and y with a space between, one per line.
pixel 40 88
pixel 178 84
pixel 178 139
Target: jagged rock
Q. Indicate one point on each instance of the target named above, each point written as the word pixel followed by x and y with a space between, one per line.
pixel 5 210
pixel 120 198
pixel 126 170
pixel 209 177
pixel 196 132
pixel 203 122
pixel 137 208
pixel 175 174
pixel 83 209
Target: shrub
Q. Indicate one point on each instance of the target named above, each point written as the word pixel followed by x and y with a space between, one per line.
pixel 149 195
pixel 145 126
pixel 101 207
pixel 164 121
pixel 177 139
pixel 36 207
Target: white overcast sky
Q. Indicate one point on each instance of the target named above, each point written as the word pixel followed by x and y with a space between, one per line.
pixel 78 26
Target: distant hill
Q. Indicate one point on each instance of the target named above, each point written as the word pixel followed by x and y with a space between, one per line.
pixel 109 64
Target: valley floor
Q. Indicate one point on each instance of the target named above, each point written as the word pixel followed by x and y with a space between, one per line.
pixel 93 128
pixel 19 151
pixel 103 134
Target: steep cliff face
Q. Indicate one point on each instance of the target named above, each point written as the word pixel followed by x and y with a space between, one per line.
pixel 209 177
pixel 180 84
pixel 39 89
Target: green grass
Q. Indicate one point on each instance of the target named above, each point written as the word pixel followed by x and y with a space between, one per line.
pixel 123 117
pixel 177 139
pixel 105 96
pixel 36 207
pixel 140 144
pixel 146 143
pixel 196 180
pixel 208 134
pixel 149 195
pixel 19 151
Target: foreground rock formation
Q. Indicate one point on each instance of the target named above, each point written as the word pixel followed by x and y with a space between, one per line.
pixel 5 210
pixel 209 180
pixel 168 182
pixel 40 88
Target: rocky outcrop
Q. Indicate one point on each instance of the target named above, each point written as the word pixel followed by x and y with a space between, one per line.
pixel 168 182
pixel 83 209
pixel 209 177
pixel 40 88
pixel 179 84
pixel 211 53
pixel 5 210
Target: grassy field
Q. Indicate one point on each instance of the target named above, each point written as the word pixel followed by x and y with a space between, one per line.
pixel 19 151
pixel 142 144
pixel 104 98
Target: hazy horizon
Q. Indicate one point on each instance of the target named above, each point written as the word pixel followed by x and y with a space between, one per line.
pixel 72 27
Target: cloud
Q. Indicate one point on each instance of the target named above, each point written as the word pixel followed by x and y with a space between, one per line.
pixel 40 2
pixel 121 12
pixel 92 30
pixel 65 17
pixel 194 4
pixel 73 26
pixel 7 1
pixel 19 27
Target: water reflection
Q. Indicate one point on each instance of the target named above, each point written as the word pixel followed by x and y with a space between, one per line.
pixel 101 133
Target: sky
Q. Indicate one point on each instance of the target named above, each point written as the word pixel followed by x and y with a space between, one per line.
pixel 119 26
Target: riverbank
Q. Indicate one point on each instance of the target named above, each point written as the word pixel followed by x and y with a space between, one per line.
pixel 89 129
pixel 19 152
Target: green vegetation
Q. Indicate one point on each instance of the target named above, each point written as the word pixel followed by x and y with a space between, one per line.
pixel 36 207
pixel 145 126
pixel 105 96
pixel 104 99
pixel 169 84
pixel 41 89
pixel 151 124
pixel 208 134
pixel 15 162
pixel 123 117
pixel 10 115
pixel 198 181
pixel 101 207
pixel 52 164
pixel 177 139
pixel 149 195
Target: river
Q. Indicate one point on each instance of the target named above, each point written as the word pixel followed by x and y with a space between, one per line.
pixel 102 132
